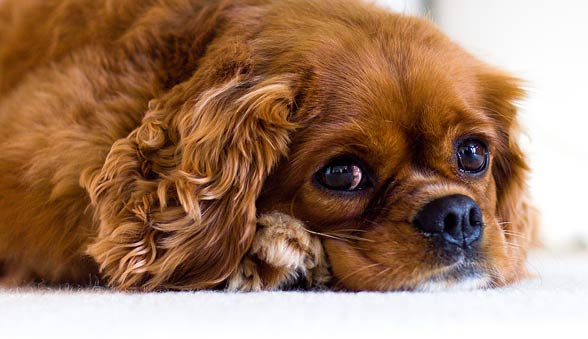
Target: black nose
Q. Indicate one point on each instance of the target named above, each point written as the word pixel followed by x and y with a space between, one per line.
pixel 456 218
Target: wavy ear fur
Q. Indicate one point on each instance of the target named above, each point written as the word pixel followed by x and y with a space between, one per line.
pixel 510 166
pixel 176 198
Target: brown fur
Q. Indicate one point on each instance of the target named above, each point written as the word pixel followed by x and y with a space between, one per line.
pixel 283 255
pixel 150 134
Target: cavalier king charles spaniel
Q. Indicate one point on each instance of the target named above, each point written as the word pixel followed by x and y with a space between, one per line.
pixel 253 145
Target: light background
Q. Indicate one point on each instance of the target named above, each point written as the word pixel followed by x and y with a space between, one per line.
pixel 546 44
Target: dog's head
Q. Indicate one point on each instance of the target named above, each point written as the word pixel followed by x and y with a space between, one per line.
pixel 372 128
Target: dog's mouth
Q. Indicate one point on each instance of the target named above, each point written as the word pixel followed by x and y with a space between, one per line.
pixel 461 276
pixel 466 273
pixel 357 269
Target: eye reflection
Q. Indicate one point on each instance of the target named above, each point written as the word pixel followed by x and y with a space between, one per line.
pixel 472 156
pixel 342 175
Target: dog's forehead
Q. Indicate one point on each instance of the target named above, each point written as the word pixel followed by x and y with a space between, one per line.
pixel 406 72
pixel 402 84
pixel 409 89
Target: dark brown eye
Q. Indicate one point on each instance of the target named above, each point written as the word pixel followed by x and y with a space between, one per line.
pixel 472 156
pixel 342 175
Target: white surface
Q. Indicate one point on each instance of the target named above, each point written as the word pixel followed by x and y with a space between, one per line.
pixel 545 43
pixel 555 303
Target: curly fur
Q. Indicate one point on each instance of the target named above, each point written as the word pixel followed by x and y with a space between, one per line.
pixel 283 254
pixel 141 139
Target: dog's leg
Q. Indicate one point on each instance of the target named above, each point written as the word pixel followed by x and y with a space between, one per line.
pixel 283 255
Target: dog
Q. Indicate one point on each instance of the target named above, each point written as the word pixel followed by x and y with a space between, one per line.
pixel 254 144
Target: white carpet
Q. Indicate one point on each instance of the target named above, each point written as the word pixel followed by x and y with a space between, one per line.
pixel 554 304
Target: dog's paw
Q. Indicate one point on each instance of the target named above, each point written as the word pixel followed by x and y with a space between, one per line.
pixel 283 255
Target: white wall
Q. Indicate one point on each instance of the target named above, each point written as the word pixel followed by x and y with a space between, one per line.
pixel 546 44
pixel 412 7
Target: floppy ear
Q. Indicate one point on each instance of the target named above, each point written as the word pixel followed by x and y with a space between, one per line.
pixel 176 198
pixel 514 210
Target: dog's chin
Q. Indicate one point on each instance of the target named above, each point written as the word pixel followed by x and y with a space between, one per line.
pixel 355 270
pixel 466 284
pixel 463 275
pixel 458 277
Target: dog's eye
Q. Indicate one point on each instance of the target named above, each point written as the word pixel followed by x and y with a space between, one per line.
pixel 342 175
pixel 472 156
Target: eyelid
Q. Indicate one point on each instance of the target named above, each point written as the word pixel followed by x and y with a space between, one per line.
pixel 481 138
pixel 346 157
pixel 485 139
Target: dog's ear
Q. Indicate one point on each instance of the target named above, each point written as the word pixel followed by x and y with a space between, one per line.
pixel 176 198
pixel 500 93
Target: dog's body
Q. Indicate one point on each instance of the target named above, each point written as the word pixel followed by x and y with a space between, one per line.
pixel 145 137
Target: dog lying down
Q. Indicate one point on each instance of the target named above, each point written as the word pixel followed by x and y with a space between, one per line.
pixel 175 144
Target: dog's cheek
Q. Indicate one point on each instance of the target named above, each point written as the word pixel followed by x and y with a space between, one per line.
pixel 351 270
pixel 389 257
pixel 494 255
pixel 327 208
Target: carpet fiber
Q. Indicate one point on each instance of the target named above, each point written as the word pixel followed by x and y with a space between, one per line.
pixel 553 304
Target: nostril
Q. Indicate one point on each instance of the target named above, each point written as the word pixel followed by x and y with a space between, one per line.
pixel 450 223
pixel 452 230
pixel 475 216
pixel 474 230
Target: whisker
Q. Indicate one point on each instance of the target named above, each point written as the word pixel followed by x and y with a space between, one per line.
pixel 377 276
pixel 511 232
pixel 370 221
pixel 358 271
pixel 513 245
pixel 336 237
pixel 495 276
pixel 325 235
pixel 518 236
pixel 353 237
pixel 351 230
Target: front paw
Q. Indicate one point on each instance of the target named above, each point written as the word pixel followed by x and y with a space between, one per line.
pixel 283 254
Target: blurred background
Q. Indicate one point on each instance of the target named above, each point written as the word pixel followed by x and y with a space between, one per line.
pixel 545 43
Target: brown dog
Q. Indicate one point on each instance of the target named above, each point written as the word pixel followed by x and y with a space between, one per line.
pixel 141 140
